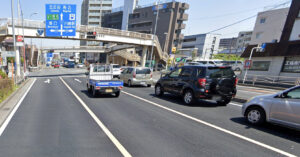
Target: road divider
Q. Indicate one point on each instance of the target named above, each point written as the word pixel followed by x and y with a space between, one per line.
pixel 214 126
pixel 100 124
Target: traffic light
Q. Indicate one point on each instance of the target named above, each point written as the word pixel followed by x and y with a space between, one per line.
pixel 91 35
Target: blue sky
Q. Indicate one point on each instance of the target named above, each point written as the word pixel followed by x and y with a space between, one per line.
pixel 204 15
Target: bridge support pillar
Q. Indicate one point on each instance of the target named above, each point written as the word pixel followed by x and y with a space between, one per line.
pixel 143 57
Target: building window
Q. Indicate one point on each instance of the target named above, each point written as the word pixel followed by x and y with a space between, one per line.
pixel 260 65
pixel 258 35
pixel 299 14
pixel 291 64
pixel 262 20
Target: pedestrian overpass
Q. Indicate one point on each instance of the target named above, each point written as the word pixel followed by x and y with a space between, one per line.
pixel 102 35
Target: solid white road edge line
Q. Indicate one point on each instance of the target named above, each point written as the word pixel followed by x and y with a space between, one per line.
pixel 6 122
pixel 215 127
pixel 101 125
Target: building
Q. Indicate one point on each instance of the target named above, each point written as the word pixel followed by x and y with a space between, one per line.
pixel 143 18
pixel 282 58
pixel 92 13
pixel 227 44
pixel 268 26
pixel 207 44
pixel 243 40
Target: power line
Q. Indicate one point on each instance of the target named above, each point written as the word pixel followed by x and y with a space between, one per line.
pixel 247 18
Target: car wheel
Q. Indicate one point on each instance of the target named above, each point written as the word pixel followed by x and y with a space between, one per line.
pixel 237 69
pixel 89 89
pixel 129 83
pixel 255 115
pixel 117 94
pixel 223 102
pixel 158 90
pixel 94 92
pixel 188 97
pixel 149 85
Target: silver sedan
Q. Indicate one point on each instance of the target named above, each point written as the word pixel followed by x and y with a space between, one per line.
pixel 282 108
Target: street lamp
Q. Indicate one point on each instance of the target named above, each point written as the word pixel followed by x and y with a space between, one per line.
pixel 154 32
pixel 31 48
pixel 254 48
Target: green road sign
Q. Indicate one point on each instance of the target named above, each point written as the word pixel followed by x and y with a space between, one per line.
pixel 52 17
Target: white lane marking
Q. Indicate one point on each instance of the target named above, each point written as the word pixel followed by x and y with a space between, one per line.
pixel 250 92
pixel 100 124
pixel 234 104
pixel 47 81
pixel 4 125
pixel 77 80
pixel 215 127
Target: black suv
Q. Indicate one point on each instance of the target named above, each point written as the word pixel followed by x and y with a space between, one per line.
pixel 199 82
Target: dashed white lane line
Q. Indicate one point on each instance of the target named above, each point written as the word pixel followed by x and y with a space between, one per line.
pixel 77 80
pixel 215 127
pixel 6 122
pixel 100 124
pixel 234 104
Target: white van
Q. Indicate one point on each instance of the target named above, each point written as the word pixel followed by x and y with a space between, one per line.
pixel 235 65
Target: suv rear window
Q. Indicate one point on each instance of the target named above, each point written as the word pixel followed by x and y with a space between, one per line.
pixel 143 71
pixel 217 72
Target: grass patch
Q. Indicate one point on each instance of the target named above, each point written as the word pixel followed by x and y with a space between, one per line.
pixel 7 87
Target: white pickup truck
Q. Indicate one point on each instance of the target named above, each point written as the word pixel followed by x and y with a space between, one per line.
pixel 100 80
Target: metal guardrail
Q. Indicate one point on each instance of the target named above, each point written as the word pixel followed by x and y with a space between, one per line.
pixel 275 80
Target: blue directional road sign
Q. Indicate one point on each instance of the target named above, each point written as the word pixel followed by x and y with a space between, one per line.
pixel 60 20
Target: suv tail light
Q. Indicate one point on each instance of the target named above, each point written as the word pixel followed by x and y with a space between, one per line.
pixel 134 75
pixel 236 81
pixel 202 82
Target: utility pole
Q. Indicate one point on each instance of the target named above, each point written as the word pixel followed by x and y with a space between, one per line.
pixel 154 33
pixel 31 47
pixel 17 58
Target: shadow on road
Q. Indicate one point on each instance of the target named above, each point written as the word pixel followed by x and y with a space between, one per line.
pixel 98 95
pixel 283 132
pixel 178 100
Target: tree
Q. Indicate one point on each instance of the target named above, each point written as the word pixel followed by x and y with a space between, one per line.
pixel 228 57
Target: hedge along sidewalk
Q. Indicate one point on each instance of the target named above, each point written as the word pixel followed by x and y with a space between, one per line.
pixel 7 87
pixel 8 105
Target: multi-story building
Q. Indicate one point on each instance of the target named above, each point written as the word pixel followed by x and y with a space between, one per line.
pixel 243 40
pixel 143 19
pixel 227 43
pixel 92 13
pixel 280 58
pixel 207 44
pixel 269 26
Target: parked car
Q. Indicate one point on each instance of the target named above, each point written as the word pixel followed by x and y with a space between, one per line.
pixel 56 65
pixel 116 70
pixel 199 82
pixel 282 108
pixel 235 65
pixel 80 65
pixel 137 76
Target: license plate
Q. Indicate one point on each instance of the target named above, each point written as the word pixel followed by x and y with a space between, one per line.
pixel 143 83
pixel 108 90
pixel 216 97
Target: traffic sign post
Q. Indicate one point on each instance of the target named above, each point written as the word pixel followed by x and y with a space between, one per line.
pixel 248 64
pixel 60 20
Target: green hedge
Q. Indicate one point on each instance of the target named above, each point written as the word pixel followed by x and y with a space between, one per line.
pixel 6 88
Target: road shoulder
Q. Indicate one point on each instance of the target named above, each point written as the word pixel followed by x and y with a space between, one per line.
pixel 9 104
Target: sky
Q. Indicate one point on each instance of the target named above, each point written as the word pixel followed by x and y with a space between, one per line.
pixel 204 15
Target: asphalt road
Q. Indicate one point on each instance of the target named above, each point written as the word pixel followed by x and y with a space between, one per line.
pixel 54 121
